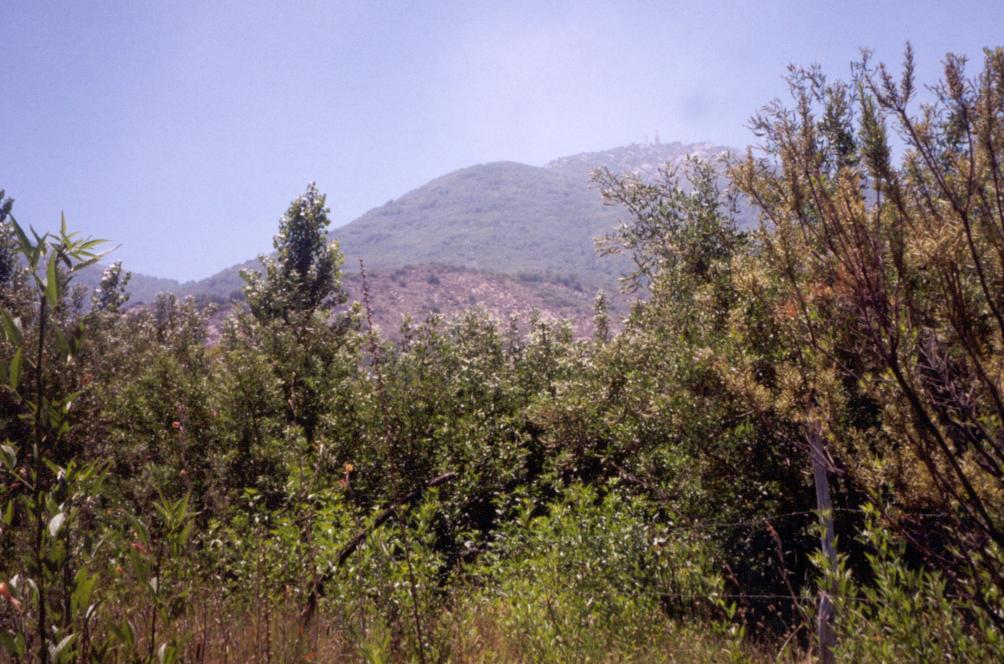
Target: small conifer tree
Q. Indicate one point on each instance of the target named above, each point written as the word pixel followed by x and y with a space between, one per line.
pixel 8 245
pixel 304 274
pixel 601 318
pixel 111 294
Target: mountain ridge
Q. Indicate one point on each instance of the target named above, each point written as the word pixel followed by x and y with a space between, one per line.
pixel 504 217
pixel 501 229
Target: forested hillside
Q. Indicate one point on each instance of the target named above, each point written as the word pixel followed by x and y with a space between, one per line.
pixel 791 449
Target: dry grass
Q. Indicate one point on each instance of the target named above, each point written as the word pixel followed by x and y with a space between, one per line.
pixel 271 633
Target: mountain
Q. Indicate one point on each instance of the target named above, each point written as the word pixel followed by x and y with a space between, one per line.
pixel 502 217
pixel 142 287
pixel 507 236
pixel 421 291
pixel 505 229
pixel 510 218
pixel 642 159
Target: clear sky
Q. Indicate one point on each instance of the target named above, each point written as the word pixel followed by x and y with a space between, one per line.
pixel 182 129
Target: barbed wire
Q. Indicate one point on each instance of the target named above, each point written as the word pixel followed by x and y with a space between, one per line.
pixel 801 599
pixel 760 521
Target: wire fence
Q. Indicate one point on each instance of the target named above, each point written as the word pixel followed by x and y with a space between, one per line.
pixel 762 520
pixel 769 520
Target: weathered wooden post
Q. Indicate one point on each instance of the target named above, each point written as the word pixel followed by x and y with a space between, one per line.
pixel 821 478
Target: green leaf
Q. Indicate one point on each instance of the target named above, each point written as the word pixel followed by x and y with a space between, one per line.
pixel 59 652
pixel 59 472
pixel 184 535
pixel 8 456
pixel 22 239
pixel 7 641
pixel 87 263
pixel 13 644
pixel 138 527
pixel 11 328
pixel 56 523
pixel 62 344
pixel 85 583
pixel 167 653
pixel 52 283
pixel 125 633
pixel 67 402
pixel 14 369
pixel 88 244
pixel 8 514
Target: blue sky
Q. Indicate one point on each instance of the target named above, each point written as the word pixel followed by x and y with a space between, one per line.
pixel 182 129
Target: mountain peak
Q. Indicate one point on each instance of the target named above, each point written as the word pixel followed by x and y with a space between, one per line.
pixel 643 159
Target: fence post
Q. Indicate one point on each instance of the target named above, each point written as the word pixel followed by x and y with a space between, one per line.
pixel 820 476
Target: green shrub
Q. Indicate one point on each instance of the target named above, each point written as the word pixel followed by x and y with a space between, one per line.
pixel 908 614
pixel 594 579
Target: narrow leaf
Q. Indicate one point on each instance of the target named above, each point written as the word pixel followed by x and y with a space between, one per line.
pixel 7 642
pixel 14 369
pixel 8 455
pixel 11 328
pixel 22 239
pixel 56 652
pixel 52 283
pixel 56 523
pixel 87 263
pixel 85 583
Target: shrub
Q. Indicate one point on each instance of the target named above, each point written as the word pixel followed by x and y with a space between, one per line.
pixel 590 578
pixel 911 614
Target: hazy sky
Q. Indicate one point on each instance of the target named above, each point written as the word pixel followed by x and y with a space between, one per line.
pixel 183 129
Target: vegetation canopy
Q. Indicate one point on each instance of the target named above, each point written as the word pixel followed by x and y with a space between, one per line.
pixel 791 449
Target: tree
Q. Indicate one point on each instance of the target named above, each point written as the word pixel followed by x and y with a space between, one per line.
pixel 685 435
pixel 111 294
pixel 601 319
pixel 48 493
pixel 304 275
pixel 293 330
pixel 9 266
pixel 887 282
pixel 681 226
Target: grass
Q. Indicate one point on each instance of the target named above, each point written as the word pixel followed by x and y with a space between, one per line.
pixel 216 632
